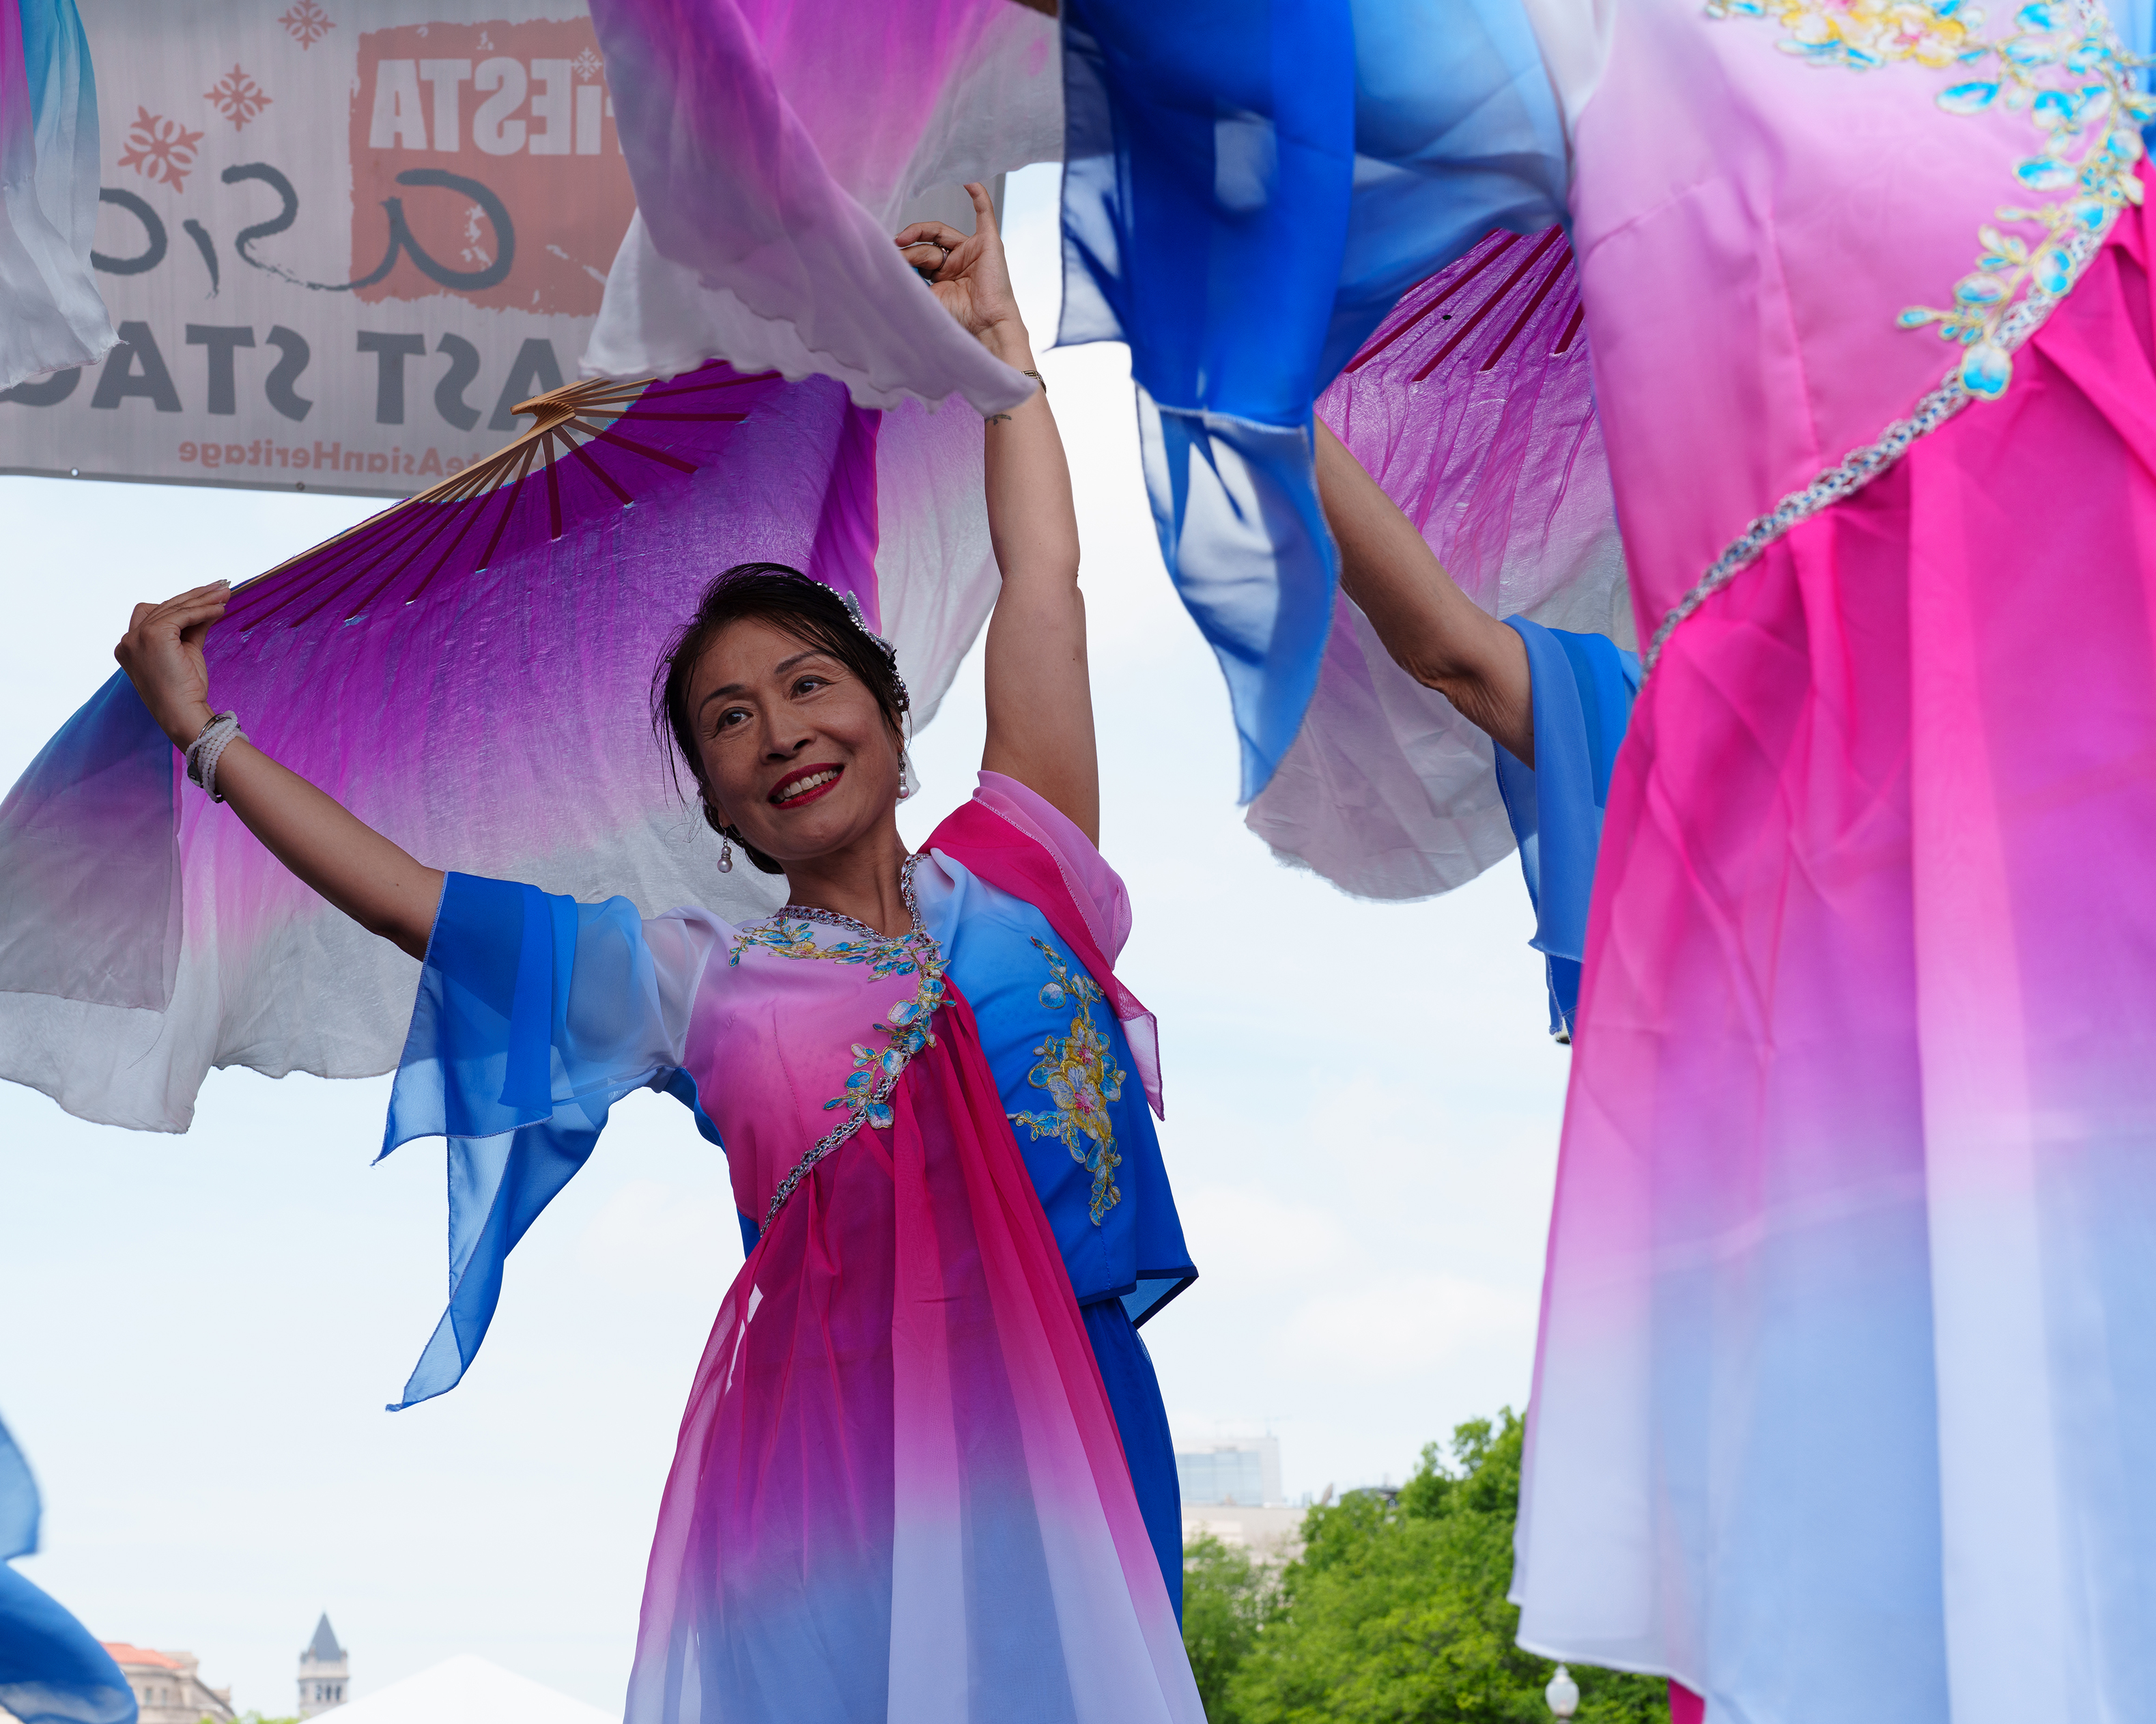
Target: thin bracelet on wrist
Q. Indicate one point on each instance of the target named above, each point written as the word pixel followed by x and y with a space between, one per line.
pixel 203 753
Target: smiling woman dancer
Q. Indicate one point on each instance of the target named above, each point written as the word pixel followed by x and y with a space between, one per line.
pixel 924 1474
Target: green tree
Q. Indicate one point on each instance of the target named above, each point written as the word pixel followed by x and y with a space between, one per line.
pixel 1228 1595
pixel 1395 1614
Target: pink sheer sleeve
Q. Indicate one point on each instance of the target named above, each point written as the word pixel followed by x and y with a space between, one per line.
pixel 1096 887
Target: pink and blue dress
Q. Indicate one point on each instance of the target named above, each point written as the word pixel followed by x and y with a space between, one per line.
pixel 925 1473
pixel 1865 1077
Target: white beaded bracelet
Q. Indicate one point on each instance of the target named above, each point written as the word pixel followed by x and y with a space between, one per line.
pixel 203 753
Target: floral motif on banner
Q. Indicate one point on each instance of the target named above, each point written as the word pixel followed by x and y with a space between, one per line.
pixel 159 149
pixel 1080 1073
pixel 2060 63
pixel 307 23
pixel 237 97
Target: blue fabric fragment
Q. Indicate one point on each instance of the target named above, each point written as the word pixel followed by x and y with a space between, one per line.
pixel 19 1507
pixel 1456 133
pixel 1247 189
pixel 52 1669
pixel 495 1062
pixel 54 37
pixel 1208 163
pixel 2136 23
pixel 1134 1397
pixel 1584 686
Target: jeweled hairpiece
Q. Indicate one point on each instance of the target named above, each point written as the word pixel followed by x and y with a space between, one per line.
pixel 854 609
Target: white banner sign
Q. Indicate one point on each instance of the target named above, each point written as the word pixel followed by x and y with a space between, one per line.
pixel 339 239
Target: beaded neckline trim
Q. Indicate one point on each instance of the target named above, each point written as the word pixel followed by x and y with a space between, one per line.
pixel 908 1024
pixel 839 919
pixel 1861 466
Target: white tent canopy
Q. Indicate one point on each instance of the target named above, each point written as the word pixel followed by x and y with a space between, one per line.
pixel 466 1690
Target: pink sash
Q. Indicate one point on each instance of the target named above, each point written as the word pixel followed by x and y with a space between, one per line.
pixel 1019 842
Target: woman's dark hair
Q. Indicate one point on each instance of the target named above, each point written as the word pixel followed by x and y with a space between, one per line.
pixel 810 612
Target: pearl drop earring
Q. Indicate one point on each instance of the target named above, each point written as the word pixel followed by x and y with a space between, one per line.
pixel 726 855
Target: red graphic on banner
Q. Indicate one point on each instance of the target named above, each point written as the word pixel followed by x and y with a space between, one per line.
pixel 307 23
pixel 485 164
pixel 237 97
pixel 162 150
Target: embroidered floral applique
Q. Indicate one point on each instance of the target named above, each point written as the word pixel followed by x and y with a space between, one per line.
pixel 2059 62
pixel 906 1024
pixel 1081 1077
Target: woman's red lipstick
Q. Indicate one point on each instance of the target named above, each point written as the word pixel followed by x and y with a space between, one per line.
pixel 826 772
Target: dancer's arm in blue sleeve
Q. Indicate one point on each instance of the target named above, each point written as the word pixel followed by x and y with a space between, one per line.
pixel 1434 631
pixel 534 1015
pixel 1555 704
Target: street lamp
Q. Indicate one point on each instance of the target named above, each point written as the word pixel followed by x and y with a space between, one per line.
pixel 1563 1693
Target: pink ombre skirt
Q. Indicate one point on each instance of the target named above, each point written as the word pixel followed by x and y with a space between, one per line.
pixel 899 1493
pixel 1845 1405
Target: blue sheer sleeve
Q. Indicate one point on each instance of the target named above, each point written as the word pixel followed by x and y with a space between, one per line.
pixel 1584 690
pixel 536 1014
pixel 52 1669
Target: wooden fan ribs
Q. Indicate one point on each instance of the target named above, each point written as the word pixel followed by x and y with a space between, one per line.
pixel 565 422
pixel 1450 288
pixel 1468 324
pixel 1551 277
pixel 1474 270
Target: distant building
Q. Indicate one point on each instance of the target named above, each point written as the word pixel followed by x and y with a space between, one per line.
pixel 1247 1474
pixel 1231 1491
pixel 469 1690
pixel 1274 1532
pixel 167 1690
pixel 325 1671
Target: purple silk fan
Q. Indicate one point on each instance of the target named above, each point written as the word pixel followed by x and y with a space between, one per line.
pixel 468 671
pixel 578 458
pixel 1472 405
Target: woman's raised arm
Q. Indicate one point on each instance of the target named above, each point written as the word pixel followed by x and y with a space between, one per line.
pixel 1434 631
pixel 1039 698
pixel 368 878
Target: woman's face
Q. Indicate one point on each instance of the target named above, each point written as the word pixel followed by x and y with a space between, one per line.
pixel 796 757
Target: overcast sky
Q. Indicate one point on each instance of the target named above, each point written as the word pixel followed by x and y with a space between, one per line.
pixel 200 1333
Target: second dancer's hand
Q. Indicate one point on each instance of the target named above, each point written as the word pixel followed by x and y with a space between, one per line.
pixel 161 653
pixel 969 276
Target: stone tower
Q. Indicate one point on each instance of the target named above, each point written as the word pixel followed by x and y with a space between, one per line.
pixel 325 1671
